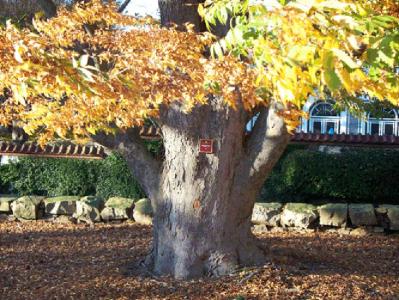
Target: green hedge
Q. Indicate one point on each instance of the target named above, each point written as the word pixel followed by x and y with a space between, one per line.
pixel 356 175
pixel 57 177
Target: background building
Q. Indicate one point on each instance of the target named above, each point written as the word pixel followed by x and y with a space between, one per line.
pixel 324 119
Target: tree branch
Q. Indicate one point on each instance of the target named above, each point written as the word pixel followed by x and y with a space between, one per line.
pixel 144 166
pixel 266 144
pixel 49 8
pixel 123 6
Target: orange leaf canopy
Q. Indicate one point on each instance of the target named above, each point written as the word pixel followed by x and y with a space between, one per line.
pixel 91 69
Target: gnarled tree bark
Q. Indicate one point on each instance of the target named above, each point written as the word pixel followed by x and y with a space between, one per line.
pixel 202 215
pixel 203 202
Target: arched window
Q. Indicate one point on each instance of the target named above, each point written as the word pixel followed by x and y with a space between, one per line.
pixel 384 123
pixel 323 118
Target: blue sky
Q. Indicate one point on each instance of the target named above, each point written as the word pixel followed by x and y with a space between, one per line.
pixel 143 7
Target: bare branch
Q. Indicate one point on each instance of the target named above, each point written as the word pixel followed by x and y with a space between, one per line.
pixel 123 6
pixel 144 166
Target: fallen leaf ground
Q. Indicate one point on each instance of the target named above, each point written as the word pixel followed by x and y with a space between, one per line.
pixel 42 260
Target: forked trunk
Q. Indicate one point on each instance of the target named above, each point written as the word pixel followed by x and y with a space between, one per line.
pixel 202 214
pixel 203 202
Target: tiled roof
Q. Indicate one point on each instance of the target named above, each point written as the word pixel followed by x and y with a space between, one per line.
pixel 63 150
pixel 151 132
pixel 348 139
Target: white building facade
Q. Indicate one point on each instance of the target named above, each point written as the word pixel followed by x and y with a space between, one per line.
pixel 324 119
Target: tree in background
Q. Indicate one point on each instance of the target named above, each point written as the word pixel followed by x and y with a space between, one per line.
pixel 23 11
pixel 26 9
pixel 77 76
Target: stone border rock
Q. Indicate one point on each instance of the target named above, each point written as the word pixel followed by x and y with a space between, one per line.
pixel 304 216
pixel 63 209
pixel 356 219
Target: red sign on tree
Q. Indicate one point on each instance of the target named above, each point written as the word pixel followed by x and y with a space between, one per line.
pixel 206 146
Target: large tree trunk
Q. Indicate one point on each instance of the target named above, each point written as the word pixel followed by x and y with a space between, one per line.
pixel 203 202
pixel 203 210
pixel 201 223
